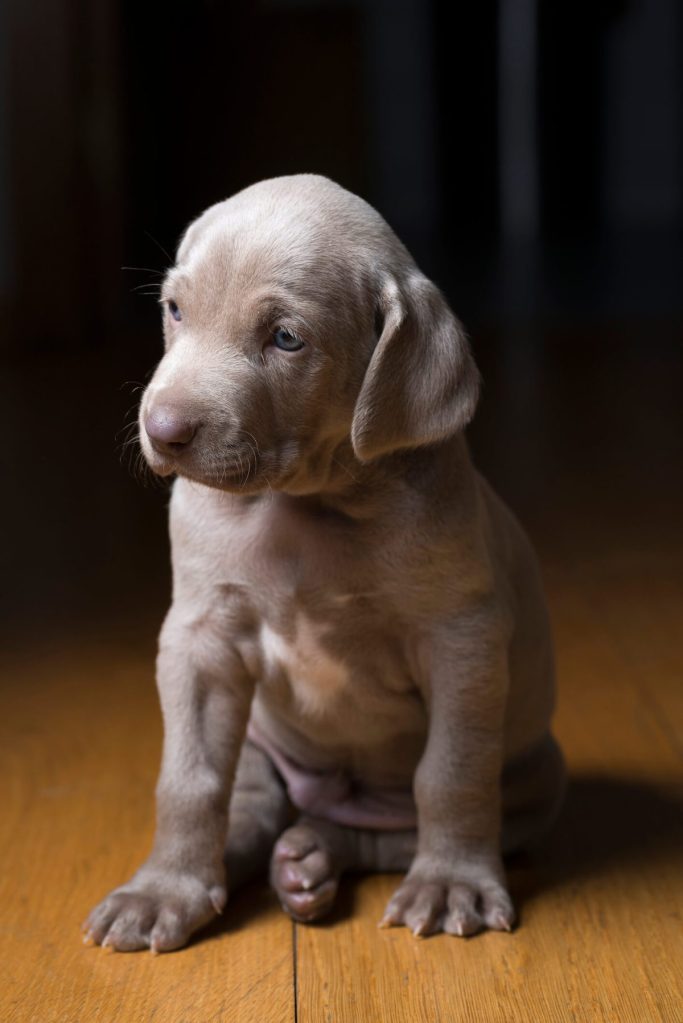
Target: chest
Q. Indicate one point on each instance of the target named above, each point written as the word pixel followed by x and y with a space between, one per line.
pixel 303 666
pixel 316 609
pixel 327 639
pixel 343 683
pixel 305 564
pixel 314 600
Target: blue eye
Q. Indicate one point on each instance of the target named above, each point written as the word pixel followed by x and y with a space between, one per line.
pixel 285 341
pixel 174 310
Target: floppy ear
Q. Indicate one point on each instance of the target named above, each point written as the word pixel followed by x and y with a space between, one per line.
pixel 421 384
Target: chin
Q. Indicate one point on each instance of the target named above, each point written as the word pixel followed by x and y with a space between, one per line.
pixel 250 481
pixel 246 477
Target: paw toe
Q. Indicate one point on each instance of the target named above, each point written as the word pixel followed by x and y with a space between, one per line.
pixel 295 843
pixel 311 905
pixel 306 873
pixel 100 920
pixel 460 908
pixel 303 874
pixel 498 911
pixel 161 914
pixel 170 930
pixel 129 930
pixel 463 918
pixel 424 913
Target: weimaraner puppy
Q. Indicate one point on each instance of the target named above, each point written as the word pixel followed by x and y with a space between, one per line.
pixel 356 671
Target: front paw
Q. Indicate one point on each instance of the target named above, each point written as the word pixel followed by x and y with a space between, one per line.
pixel 157 909
pixel 461 902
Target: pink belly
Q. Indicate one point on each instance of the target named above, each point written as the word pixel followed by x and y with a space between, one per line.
pixel 336 797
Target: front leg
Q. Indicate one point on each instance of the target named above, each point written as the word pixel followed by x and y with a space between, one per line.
pixel 205 695
pixel 456 882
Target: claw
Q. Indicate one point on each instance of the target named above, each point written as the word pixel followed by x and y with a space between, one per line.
pixel 218 899
pixel 501 923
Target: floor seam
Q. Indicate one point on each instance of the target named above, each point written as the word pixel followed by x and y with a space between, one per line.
pixel 294 971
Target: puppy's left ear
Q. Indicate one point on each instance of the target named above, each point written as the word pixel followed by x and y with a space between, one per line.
pixel 421 384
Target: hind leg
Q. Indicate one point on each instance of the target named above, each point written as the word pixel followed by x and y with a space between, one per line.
pixel 533 790
pixel 310 857
pixel 259 810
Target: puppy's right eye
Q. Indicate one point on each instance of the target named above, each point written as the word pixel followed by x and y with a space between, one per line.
pixel 174 310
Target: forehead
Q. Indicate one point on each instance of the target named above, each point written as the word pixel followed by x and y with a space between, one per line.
pixel 249 264
pixel 242 259
pixel 254 291
pixel 252 237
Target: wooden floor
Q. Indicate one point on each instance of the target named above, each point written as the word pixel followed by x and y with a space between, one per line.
pixel 601 903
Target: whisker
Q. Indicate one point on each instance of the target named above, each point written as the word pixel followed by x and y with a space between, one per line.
pixel 249 464
pixel 129 442
pixel 133 408
pixel 146 289
pixel 160 246
pixel 145 269
pixel 248 434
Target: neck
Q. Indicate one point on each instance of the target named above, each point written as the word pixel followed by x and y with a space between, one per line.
pixel 333 479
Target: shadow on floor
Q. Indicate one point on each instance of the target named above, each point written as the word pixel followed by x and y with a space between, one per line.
pixel 605 824
pixel 244 907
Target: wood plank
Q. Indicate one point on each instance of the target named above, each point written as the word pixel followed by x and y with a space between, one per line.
pixel 640 602
pixel 79 748
pixel 600 900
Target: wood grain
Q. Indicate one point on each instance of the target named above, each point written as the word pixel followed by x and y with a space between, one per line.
pixel 80 743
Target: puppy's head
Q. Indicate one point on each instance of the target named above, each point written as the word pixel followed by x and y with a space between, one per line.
pixel 295 321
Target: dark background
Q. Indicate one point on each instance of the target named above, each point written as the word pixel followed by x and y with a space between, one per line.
pixel 527 151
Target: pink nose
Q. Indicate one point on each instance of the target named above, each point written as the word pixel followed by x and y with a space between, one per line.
pixel 168 430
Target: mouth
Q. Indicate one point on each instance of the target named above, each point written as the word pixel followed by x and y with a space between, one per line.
pixel 234 475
